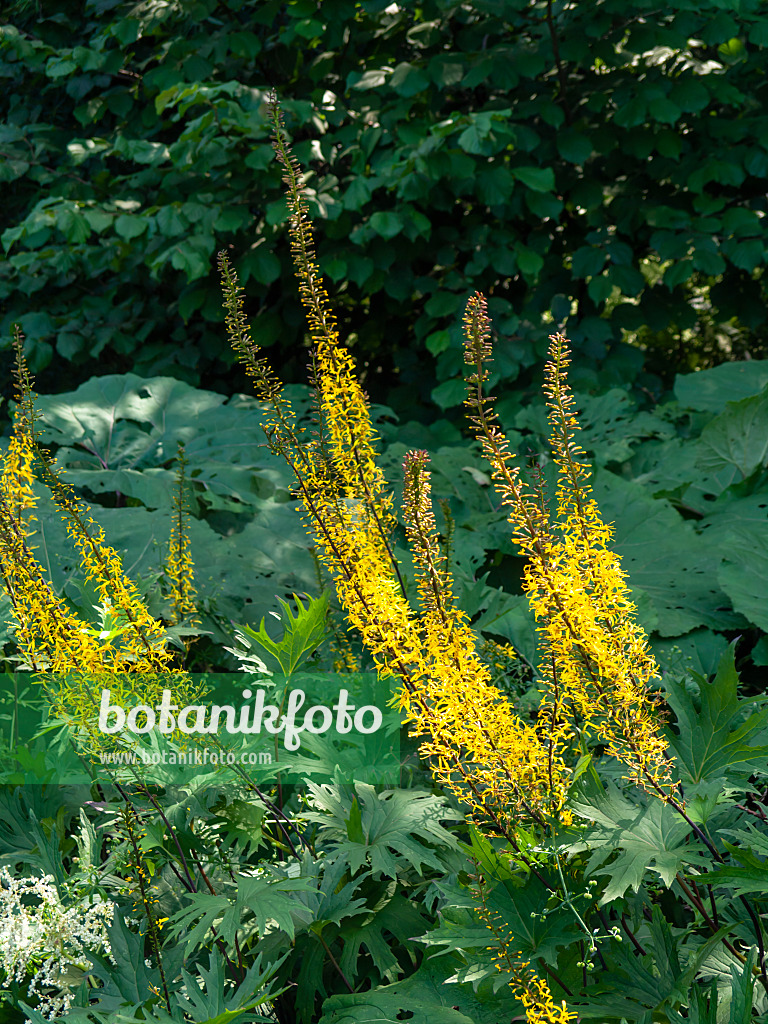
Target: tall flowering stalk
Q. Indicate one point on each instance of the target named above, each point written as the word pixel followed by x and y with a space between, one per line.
pixel 179 567
pixel 597 665
pixel 503 768
pixel 47 633
pixel 130 650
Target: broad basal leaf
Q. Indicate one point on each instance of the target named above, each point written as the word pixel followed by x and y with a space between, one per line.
pixel 664 557
pixel 395 829
pixel 737 437
pixel 423 996
pixel 720 739
pixel 650 838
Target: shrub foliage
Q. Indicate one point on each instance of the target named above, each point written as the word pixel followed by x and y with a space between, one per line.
pixel 601 165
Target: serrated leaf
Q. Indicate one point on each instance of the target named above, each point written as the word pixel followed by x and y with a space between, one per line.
pixel 742 990
pixel 302 633
pixel 750 837
pixel 751 877
pixel 398 917
pixel 715 741
pixel 651 838
pixel 398 828
pixel 127 980
pixel 215 1002
pixel 263 899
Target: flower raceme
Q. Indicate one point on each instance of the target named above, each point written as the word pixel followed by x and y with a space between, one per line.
pixel 178 567
pixel 132 646
pixel 596 657
pixel 493 759
pixel 505 770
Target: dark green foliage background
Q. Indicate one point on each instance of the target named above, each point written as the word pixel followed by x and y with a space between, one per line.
pixel 601 162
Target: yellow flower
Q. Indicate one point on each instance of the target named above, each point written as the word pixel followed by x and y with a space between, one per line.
pixel 478 747
pixel 596 657
pixel 179 567
pixel 54 641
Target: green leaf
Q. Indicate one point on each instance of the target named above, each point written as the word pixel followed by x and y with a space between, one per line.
pixel 60 67
pixel 438 342
pixel 742 990
pixel 230 220
pixel 747 254
pixel 262 900
pixel 426 1001
pixel 75 225
pixel 408 80
pixel 714 742
pixel 450 393
pixel 494 185
pixel 335 268
pixel 302 633
pixel 397 828
pixel 262 265
pixel 514 905
pixel 386 224
pixel 664 557
pixel 540 179
pixel 309 28
pixel 678 273
pixel 127 980
pixel 588 261
pixel 737 437
pixel 751 837
pixel 711 263
pixel 631 113
pixel 129 225
pixel 192 256
pixel 711 390
pixel 394 916
pixel 528 261
pixel 357 195
pixel 215 1002
pixel 371 79
pixel 690 94
pixel 733 49
pixel 600 288
pixel 751 877
pixel 664 110
pixel 574 146
pixel 744 570
pixel 651 838
pixel 99 220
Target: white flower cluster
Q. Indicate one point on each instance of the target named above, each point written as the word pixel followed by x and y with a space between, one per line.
pixel 41 937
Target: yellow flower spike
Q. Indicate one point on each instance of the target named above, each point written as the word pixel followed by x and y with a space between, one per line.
pixel 144 647
pixel 493 760
pixel 597 656
pixel 53 640
pixel 179 567
pixel 16 475
pixel 345 407
pixel 47 633
pixel 596 662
